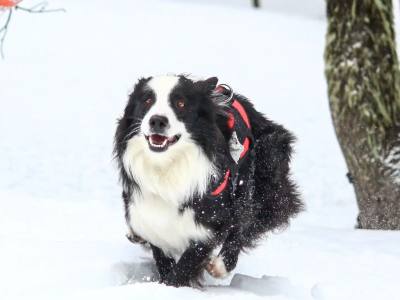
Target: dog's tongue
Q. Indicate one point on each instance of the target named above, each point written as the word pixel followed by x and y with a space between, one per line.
pixel 158 139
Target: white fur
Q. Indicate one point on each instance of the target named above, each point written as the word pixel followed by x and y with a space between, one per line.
pixel 216 267
pixel 175 175
pixel 162 225
pixel 166 180
pixel 162 86
pixel 164 185
pixel 235 147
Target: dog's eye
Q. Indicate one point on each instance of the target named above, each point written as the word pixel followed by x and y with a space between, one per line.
pixel 148 101
pixel 180 104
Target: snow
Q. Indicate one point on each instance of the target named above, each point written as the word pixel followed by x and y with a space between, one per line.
pixel 64 83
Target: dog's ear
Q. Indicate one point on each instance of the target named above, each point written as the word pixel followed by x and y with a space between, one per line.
pixel 211 83
pixel 208 85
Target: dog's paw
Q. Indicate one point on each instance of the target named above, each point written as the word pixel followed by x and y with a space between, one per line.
pixel 216 267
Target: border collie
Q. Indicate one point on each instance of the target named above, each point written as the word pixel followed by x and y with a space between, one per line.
pixel 200 168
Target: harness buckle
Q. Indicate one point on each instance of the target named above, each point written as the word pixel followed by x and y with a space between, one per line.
pixel 224 87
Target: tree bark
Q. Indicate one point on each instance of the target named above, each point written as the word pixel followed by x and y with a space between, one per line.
pixel 362 72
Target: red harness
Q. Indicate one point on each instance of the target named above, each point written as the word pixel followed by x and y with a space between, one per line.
pixel 233 124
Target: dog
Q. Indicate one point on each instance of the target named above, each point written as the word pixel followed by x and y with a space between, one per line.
pixel 201 169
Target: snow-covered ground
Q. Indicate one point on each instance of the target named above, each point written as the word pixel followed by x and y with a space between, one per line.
pixel 65 81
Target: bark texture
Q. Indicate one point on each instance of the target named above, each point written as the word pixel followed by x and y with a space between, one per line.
pixel 362 71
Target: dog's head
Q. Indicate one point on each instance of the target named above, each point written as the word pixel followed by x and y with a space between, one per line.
pixel 167 117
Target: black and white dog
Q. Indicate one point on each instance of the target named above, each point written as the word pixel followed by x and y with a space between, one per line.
pixel 200 169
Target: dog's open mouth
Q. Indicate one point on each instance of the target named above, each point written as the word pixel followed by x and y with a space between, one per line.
pixel 160 143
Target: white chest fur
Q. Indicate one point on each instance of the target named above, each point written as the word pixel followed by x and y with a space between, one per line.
pixel 161 223
pixel 166 181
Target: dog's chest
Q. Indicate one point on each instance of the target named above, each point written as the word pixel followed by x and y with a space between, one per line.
pixel 163 225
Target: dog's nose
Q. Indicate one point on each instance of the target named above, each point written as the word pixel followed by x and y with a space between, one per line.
pixel 158 124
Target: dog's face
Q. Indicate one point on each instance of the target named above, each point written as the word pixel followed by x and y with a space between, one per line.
pixel 164 105
pixel 166 115
pixel 169 110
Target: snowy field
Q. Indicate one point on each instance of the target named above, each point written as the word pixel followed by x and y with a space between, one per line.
pixel 64 83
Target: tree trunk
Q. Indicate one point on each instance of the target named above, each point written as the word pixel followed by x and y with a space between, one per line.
pixel 256 3
pixel 362 71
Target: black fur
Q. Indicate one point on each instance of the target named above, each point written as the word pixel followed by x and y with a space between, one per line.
pixel 261 199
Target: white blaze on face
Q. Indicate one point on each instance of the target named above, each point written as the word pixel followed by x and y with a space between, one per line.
pixel 162 87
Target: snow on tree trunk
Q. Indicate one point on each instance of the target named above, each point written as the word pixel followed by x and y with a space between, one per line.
pixel 362 71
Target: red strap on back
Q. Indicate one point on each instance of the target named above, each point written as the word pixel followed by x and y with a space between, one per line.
pixel 246 144
pixel 231 121
pixel 236 104
pixel 223 184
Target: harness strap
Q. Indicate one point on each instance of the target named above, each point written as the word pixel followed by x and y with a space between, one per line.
pixel 236 105
pixel 223 184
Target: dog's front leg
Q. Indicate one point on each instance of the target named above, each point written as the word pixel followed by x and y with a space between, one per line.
pixel 189 266
pixel 164 264
pixel 219 266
